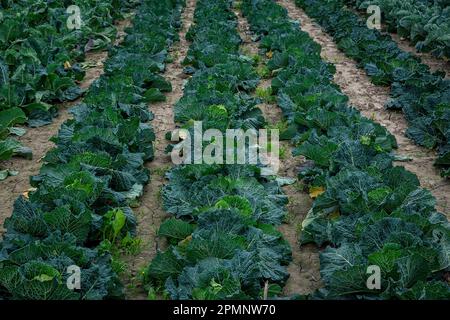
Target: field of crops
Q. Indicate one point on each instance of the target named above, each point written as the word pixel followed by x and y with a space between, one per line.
pixel 224 150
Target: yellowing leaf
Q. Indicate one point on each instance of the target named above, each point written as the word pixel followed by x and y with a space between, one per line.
pixel 269 54
pixel 185 241
pixel 43 278
pixel 67 65
pixel 26 193
pixel 336 214
pixel 314 192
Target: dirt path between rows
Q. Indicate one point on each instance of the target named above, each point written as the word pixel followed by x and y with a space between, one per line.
pixel 304 268
pixel 370 100
pixel 150 213
pixel 38 138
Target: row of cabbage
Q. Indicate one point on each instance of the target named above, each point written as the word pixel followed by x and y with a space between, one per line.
pixel 223 241
pixel 42 44
pixel 425 23
pixel 424 97
pixel 370 213
pixel 59 232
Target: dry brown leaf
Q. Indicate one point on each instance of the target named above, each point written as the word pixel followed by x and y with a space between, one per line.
pixel 314 192
pixel 185 241
pixel 336 214
pixel 26 193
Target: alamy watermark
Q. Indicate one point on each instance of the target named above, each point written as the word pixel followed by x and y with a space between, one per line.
pixel 374 280
pixel 74 20
pixel 234 146
pixel 74 280
pixel 374 20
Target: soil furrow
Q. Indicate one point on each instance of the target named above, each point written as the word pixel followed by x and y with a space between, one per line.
pixel 150 213
pixel 304 268
pixel 370 100
pixel 38 138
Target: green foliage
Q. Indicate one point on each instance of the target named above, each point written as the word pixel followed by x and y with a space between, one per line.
pixel 263 71
pixel 175 230
pixel 114 221
pixel 40 56
pixel 130 245
pixel 223 243
pixel 265 94
pixel 422 95
pixel 196 188
pixel 227 240
pixel 370 211
pixel 425 23
pixel 79 213
pixel 38 271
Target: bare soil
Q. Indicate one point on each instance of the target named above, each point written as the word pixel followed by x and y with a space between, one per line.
pixel 370 100
pixel 150 213
pixel 38 138
pixel 304 268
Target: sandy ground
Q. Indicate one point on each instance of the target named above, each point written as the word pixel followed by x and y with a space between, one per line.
pixel 370 100
pixel 304 268
pixel 38 138
pixel 150 214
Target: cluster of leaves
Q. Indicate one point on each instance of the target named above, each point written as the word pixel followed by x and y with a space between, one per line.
pixel 214 37
pixel 218 97
pixel 217 92
pixel 223 243
pixel 425 23
pixel 369 212
pixel 424 97
pixel 223 240
pixel 40 56
pixel 195 189
pixel 84 189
